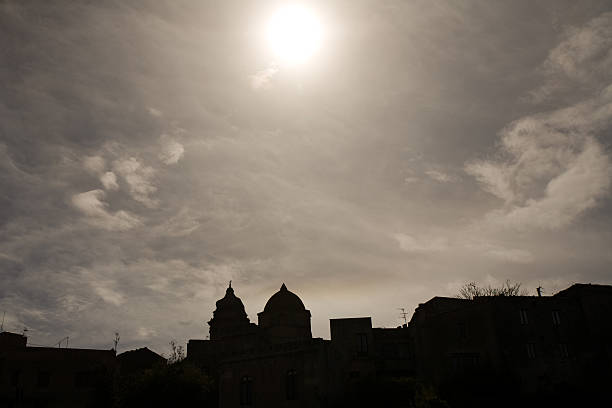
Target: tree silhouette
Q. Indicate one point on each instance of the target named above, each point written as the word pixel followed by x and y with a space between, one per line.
pixel 177 383
pixel 472 289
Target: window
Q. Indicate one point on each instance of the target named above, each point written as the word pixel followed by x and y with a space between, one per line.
pixel 563 351
pixel 531 351
pixel 524 318
pixel 462 331
pixel 556 318
pixel 83 379
pixel 292 385
pixel 43 379
pixel 362 343
pixel 465 362
pixel 15 378
pixel 246 391
pixel 390 350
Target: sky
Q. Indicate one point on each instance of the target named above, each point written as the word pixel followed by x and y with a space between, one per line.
pixel 151 151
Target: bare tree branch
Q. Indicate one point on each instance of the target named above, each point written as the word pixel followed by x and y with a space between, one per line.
pixel 471 290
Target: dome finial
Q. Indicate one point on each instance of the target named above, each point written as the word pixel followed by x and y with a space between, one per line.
pixel 229 291
pixel 283 287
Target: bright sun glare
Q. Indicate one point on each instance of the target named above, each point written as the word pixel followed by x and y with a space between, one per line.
pixel 294 34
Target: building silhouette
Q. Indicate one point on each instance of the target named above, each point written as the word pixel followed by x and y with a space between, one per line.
pixel 528 349
pixel 487 351
pixel 53 377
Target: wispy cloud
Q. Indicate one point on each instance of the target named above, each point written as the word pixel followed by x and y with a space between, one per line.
pixel 109 295
pixel 92 205
pixel 171 150
pixel 262 78
pixel 409 243
pixel 440 176
pixel 139 179
pixel 94 164
pixel 584 57
pixel 109 181
pixel 550 168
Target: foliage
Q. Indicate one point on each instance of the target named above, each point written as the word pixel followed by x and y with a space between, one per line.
pixel 176 383
pixel 471 290
pixel 399 392
pixel 177 354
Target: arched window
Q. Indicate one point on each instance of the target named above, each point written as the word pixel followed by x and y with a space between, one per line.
pixel 246 391
pixel 291 385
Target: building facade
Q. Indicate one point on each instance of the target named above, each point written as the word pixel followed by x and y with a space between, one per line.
pixel 277 362
pixel 53 377
pixel 527 348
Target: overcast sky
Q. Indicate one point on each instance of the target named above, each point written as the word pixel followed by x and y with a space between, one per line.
pixel 152 151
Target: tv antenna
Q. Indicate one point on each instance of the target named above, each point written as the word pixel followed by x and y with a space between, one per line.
pixel 59 343
pixel 116 341
pixel 403 314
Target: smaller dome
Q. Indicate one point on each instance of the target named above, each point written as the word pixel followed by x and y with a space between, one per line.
pixel 284 301
pixel 230 301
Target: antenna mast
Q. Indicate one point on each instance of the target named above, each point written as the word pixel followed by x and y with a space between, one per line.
pixel 59 343
pixel 403 314
pixel 2 326
pixel 116 341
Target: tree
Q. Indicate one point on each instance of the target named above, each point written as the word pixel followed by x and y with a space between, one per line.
pixel 177 354
pixel 175 383
pixel 471 290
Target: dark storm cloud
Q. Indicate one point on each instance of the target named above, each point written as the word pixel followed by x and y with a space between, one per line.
pixel 149 153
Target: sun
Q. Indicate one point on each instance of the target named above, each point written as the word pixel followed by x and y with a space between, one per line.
pixel 294 34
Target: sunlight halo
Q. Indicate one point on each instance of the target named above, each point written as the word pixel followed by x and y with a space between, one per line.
pixel 294 35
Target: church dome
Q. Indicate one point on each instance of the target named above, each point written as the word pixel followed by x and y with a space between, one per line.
pixel 229 302
pixel 284 301
pixel 229 318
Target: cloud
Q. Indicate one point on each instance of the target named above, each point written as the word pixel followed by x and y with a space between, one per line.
pixel 263 78
pixel 109 181
pixel 146 333
pixel 497 252
pixel 587 51
pixel 420 245
pixel 440 176
pixel 475 247
pixel 109 295
pixel 583 57
pixel 154 112
pixel 139 179
pixel 183 223
pixel 172 151
pixel 584 182
pixel 94 164
pixel 91 204
pixel 550 168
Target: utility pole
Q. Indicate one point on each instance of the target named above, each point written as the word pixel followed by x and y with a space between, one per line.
pixel 2 326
